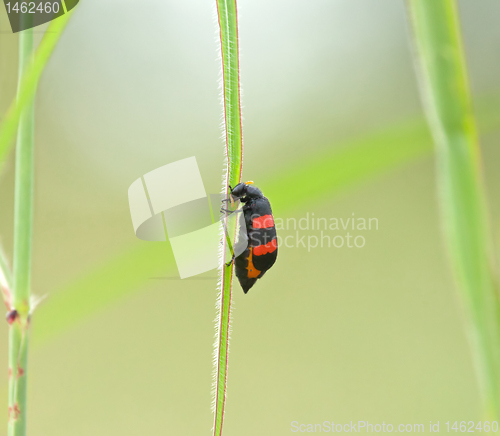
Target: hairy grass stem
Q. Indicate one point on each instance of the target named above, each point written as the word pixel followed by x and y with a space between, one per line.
pixel 228 31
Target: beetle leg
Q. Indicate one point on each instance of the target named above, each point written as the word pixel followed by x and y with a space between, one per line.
pixel 231 261
pixel 231 211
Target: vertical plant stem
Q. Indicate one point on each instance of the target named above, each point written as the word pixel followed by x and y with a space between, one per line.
pixel 228 25
pixel 23 225
pixel 445 90
pixel 16 289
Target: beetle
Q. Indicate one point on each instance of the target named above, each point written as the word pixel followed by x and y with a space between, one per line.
pixel 261 245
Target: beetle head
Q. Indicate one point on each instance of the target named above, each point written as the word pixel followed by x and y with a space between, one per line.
pixel 239 191
pixel 246 190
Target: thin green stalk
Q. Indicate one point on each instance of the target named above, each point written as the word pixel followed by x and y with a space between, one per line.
pixel 228 25
pixel 16 289
pixel 445 89
pixel 23 225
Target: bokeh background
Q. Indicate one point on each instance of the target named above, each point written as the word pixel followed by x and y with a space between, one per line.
pixel 336 334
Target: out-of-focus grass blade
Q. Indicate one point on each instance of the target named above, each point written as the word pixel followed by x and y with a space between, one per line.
pixel 445 90
pixel 351 164
pixel 361 159
pixel 354 163
pixel 103 286
pixel 29 83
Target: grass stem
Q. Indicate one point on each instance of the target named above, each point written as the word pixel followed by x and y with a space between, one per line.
pixel 447 100
pixel 228 26
pixel 23 227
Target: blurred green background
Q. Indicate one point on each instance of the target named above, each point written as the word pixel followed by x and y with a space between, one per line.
pixel 336 334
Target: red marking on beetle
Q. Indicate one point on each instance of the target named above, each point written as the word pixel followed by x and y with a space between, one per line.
pixel 264 249
pixel 263 222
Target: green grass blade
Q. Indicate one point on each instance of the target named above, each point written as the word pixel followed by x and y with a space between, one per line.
pixel 228 26
pixel 147 261
pixel 23 229
pixel 349 165
pixel 445 90
pixel 29 82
